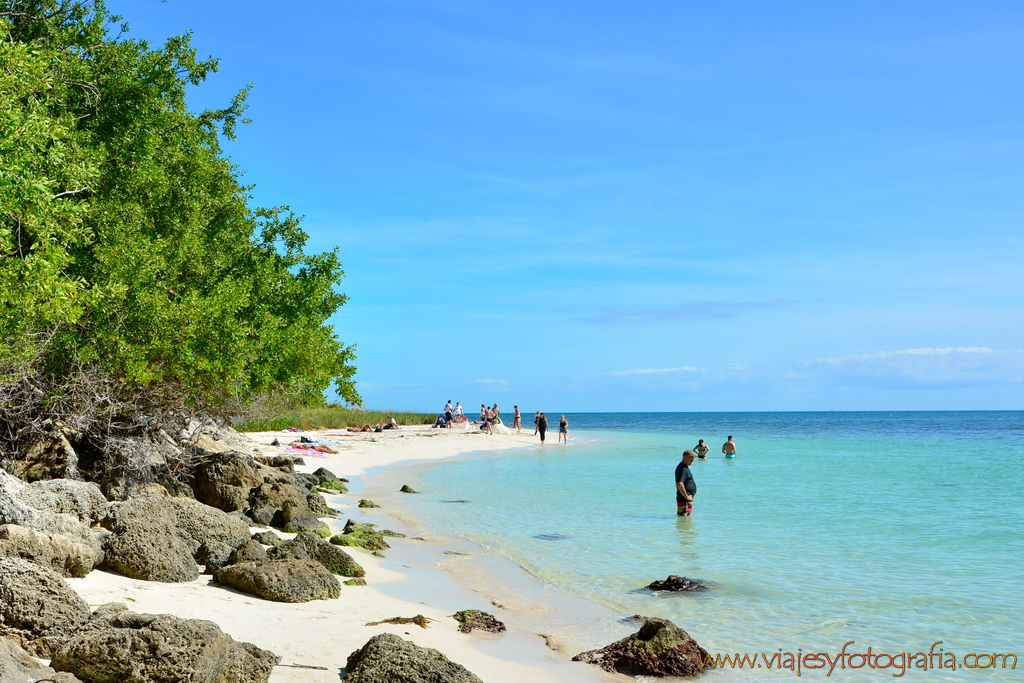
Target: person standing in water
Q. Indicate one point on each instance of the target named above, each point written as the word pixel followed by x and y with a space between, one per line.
pixel 542 427
pixel 686 487
pixel 729 448
pixel 563 430
pixel 517 420
pixel 701 449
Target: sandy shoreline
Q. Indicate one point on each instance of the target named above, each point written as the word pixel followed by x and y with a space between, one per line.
pixel 323 633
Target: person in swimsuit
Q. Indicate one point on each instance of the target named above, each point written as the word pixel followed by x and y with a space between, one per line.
pixel 536 422
pixel 517 420
pixel 729 448
pixel 563 430
pixel 701 449
pixel 542 427
pixel 686 487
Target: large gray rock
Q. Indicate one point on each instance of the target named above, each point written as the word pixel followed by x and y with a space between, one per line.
pixel 37 607
pixel 330 556
pixel 14 510
pixel 49 457
pixel 250 551
pixel 66 555
pixel 118 646
pixel 288 550
pixel 297 518
pixel 660 648
pixel 17 666
pixel 146 542
pixel 281 580
pixel 214 556
pixel 226 480
pixel 205 524
pixel 268 501
pixel 386 658
pixel 82 500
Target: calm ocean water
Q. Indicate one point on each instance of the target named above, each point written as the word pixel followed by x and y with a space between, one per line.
pixel 894 530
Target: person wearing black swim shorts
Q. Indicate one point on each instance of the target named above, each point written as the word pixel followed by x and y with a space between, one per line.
pixel 542 427
pixel 686 487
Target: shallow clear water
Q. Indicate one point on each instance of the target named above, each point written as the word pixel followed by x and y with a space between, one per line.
pixel 894 530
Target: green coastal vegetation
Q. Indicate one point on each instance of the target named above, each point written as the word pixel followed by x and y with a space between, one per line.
pixel 137 276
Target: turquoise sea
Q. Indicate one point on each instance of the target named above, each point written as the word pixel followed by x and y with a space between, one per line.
pixel 893 530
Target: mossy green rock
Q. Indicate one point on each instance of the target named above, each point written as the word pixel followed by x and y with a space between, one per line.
pixel 367 504
pixel 334 485
pixel 660 648
pixel 360 536
pixel 355 582
pixel 470 619
pixel 330 556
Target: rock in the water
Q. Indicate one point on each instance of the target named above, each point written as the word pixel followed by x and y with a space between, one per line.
pixel 282 580
pixel 214 556
pixel 250 551
pixel 364 503
pixel 206 524
pixel 118 645
pixel 81 499
pixel 37 607
pixel 17 666
pixel 146 542
pixel 360 536
pixel 386 658
pixel 335 559
pixel 407 489
pixel 226 481
pixel 299 518
pixel 474 619
pixel 267 538
pixel 678 584
pixel 66 555
pixel 660 648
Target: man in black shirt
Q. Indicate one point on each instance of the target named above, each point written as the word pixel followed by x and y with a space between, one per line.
pixel 686 487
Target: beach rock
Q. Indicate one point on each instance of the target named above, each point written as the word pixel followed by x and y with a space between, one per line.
pixel 226 480
pixel 250 551
pixel 407 489
pixel 318 505
pixel 660 648
pixel 282 462
pixel 80 499
pixel 354 582
pixel 50 457
pixel 282 580
pixel 360 536
pixel 335 559
pixel 146 543
pixel 37 606
pixel 678 584
pixel 205 524
pixel 267 538
pixel 298 518
pixel 13 510
pixel 324 475
pixel 268 500
pixel 474 619
pixel 364 503
pixel 66 555
pixel 386 658
pixel 391 534
pixel 214 556
pixel 288 550
pixel 118 646
pixel 306 482
pixel 18 666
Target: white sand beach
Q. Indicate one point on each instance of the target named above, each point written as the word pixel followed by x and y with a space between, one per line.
pixel 323 633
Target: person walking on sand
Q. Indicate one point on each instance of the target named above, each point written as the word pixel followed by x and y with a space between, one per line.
pixel 542 427
pixel 686 487
pixel 536 422
pixel 729 448
pixel 701 449
pixel 517 420
pixel 448 413
pixel 563 430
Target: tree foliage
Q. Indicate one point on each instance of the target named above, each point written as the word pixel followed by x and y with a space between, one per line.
pixel 128 242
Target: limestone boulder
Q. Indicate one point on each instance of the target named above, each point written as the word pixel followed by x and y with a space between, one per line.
pixel 281 580
pixel 146 543
pixel 37 607
pixel 226 480
pixel 334 558
pixel 268 501
pixel 82 500
pixel 250 551
pixel 65 555
pixel 18 666
pixel 660 648
pixel 214 556
pixel 14 510
pixel 297 518
pixel 388 658
pixel 206 524
pixel 120 646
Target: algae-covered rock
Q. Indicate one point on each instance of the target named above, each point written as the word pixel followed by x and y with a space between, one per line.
pixel 332 557
pixel 386 658
pixel 364 503
pixel 678 584
pixel 392 534
pixel 474 619
pixel 354 582
pixel 360 536
pixel 407 489
pixel 334 486
pixel 660 648
pixel 267 537
pixel 282 580
pixel 299 518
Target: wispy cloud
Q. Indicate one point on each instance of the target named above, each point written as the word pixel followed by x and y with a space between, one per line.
pixel 488 381
pixel 951 366
pixel 694 310
pixel 652 371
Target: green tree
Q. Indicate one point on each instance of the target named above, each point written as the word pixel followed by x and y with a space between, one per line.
pixel 127 240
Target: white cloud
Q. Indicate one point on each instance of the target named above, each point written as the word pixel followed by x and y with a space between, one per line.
pixel 652 371
pixel 488 381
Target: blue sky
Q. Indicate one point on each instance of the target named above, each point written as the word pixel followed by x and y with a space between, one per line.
pixel 646 205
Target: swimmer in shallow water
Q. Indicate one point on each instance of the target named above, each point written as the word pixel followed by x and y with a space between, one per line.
pixel 701 449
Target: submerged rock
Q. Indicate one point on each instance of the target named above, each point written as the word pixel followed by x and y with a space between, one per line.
pixel 474 619
pixel 660 648
pixel 407 489
pixel 678 584
pixel 282 580
pixel 364 503
pixel 118 645
pixel 386 658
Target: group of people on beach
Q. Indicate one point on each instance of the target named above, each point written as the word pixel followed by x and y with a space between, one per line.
pixel 540 426
pixel 451 415
pixel 686 487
